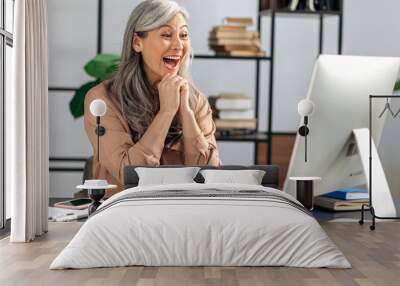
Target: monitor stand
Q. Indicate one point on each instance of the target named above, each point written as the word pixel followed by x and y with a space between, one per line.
pixel 381 197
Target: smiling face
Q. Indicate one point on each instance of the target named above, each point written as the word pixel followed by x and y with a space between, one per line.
pixel 164 48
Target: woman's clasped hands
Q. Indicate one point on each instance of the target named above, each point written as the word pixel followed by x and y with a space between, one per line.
pixel 173 92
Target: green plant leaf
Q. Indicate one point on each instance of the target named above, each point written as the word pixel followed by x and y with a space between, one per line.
pixel 111 69
pixel 76 105
pixel 102 65
pixel 397 85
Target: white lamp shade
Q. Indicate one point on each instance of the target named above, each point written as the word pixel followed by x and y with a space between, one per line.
pixel 98 107
pixel 305 107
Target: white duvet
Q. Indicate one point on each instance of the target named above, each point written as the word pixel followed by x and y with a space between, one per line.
pixel 183 231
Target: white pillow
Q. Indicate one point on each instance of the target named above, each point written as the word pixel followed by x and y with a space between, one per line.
pixel 249 177
pixel 163 176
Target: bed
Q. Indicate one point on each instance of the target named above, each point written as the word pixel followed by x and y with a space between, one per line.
pixel 201 224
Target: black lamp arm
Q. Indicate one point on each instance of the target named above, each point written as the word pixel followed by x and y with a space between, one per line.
pixel 100 131
pixel 304 131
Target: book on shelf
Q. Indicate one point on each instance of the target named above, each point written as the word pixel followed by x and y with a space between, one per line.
pixel 238 42
pixel 229 48
pixel 240 21
pixel 349 194
pixel 235 123
pixel 339 205
pixel 233 34
pixel 232 101
pixel 236 114
pixel 227 40
pixel 231 106
pixel 212 99
pixel 241 54
pixel 229 28
pixel 232 95
pixel 235 132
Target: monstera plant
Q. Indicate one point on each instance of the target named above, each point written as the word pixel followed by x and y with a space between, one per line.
pixel 101 67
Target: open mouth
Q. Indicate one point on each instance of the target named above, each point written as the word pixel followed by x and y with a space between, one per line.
pixel 171 62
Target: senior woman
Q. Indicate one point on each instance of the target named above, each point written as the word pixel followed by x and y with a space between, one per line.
pixel 155 115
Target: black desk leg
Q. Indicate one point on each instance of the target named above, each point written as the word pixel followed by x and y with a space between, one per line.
pixel 96 195
pixel 304 193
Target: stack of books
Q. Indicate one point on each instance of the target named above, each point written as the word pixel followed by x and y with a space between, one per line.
pixel 233 114
pixel 233 39
pixel 346 199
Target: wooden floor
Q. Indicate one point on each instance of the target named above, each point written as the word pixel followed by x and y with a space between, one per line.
pixel 375 257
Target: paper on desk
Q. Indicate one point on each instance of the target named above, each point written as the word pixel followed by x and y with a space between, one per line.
pixel 61 214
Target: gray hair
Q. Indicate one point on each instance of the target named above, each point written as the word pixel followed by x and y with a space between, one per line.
pixel 138 100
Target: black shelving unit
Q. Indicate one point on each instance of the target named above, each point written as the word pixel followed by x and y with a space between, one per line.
pixel 266 137
pixel 259 136
pixel 230 57
pixel 256 137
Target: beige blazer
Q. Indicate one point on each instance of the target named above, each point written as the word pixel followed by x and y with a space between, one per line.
pixel 118 150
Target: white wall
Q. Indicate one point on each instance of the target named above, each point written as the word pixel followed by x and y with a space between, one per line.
pixel 369 29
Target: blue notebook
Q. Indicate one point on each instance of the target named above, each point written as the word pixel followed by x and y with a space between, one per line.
pixel 348 194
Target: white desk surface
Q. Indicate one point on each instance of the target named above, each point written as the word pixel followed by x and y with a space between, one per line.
pixel 304 178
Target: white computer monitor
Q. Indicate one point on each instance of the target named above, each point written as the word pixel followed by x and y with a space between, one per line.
pixel 340 87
